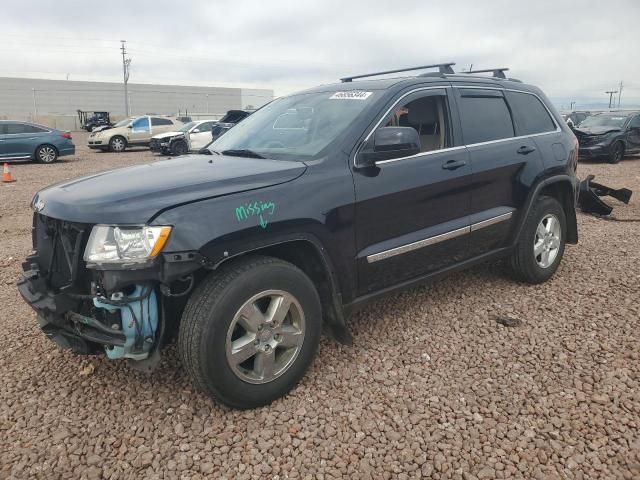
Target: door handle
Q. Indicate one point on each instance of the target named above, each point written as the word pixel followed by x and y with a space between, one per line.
pixel 453 164
pixel 525 150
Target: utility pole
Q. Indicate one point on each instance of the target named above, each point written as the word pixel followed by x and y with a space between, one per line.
pixel 126 62
pixel 571 106
pixel 610 93
pixel 619 93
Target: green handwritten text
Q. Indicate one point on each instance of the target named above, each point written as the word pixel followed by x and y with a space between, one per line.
pixel 256 209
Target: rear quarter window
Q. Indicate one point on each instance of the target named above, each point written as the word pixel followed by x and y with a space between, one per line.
pixel 484 118
pixel 530 114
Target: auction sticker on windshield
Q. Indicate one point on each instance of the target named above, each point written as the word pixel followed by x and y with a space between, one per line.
pixel 350 95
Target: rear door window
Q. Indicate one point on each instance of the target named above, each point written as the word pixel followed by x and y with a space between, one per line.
pixel 484 116
pixel 530 114
pixel 15 128
pixel 155 121
pixel 33 129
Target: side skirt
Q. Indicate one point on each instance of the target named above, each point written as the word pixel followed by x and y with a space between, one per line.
pixel 364 300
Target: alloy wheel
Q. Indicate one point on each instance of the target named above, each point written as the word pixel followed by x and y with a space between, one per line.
pixel 47 154
pixel 547 241
pixel 117 144
pixel 265 336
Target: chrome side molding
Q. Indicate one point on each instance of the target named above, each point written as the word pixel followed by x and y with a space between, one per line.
pixel 376 257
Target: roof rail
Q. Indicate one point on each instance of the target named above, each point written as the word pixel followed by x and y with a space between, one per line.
pixel 442 67
pixel 497 72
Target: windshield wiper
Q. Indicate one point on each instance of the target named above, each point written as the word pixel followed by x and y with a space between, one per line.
pixel 242 153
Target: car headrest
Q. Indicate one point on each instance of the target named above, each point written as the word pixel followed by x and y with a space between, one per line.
pixel 423 111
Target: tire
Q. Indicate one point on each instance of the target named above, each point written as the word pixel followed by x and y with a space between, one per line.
pixel 46 154
pixel 526 263
pixel 117 144
pixel 617 153
pixel 212 322
pixel 179 148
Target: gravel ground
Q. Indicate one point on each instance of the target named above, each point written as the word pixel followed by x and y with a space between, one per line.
pixel 434 385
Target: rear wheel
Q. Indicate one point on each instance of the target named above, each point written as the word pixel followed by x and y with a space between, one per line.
pixel 46 154
pixel 117 144
pixel 617 152
pixel 249 332
pixel 542 241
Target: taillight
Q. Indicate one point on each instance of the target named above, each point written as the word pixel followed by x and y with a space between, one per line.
pixel 67 136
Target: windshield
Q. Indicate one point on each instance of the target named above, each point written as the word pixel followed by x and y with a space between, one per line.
pixel 123 123
pixel 604 121
pixel 298 127
pixel 186 127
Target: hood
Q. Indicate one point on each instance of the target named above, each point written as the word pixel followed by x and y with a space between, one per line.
pixel 160 136
pixel 596 130
pixel 133 195
pixel 101 128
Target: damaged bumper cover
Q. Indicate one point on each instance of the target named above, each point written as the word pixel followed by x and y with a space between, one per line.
pixel 125 323
pixel 589 199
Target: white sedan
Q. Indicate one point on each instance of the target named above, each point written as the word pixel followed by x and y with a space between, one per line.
pixel 191 136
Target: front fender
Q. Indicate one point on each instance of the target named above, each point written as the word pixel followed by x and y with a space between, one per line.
pixel 317 208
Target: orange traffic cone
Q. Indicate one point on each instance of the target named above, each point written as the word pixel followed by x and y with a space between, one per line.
pixel 6 174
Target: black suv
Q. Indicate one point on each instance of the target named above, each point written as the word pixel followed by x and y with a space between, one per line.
pixel 305 211
pixel 609 135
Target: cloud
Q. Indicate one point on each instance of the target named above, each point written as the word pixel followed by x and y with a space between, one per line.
pixel 569 49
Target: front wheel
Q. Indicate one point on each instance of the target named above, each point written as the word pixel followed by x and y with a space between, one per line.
pixel 617 152
pixel 46 154
pixel 117 144
pixel 542 241
pixel 179 148
pixel 250 331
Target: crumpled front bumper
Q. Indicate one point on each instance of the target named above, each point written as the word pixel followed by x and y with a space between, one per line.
pixel 55 312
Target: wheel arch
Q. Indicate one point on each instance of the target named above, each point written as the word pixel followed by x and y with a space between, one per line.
pixel 563 189
pixel 308 254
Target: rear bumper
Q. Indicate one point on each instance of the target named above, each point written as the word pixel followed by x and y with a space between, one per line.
pixel 70 150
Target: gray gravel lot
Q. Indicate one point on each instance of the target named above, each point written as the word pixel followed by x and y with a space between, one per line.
pixel 434 386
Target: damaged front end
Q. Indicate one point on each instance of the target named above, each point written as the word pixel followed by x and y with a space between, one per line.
pixel 589 199
pixel 120 312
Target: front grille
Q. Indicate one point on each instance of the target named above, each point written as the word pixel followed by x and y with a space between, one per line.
pixel 60 246
pixel 588 139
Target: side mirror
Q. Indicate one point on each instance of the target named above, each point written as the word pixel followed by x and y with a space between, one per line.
pixel 129 126
pixel 389 143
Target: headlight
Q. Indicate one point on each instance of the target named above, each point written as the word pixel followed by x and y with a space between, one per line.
pixel 125 244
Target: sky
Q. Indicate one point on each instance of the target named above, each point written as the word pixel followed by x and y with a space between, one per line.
pixel 574 51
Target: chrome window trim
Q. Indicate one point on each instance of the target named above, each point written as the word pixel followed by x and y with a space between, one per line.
pixel 458 232
pixel 459 147
pixel 420 89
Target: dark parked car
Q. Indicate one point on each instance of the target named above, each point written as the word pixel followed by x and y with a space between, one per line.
pixel 223 125
pixel 609 136
pixel 89 121
pixel 313 206
pixel 575 118
pixel 30 141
